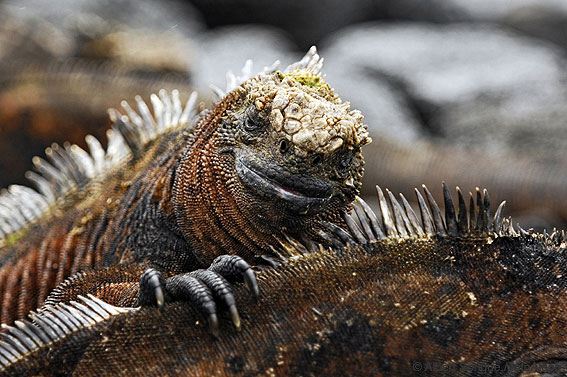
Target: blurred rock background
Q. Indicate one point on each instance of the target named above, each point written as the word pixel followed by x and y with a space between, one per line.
pixel 473 93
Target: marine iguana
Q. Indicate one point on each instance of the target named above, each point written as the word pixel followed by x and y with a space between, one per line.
pixel 279 152
pixel 465 294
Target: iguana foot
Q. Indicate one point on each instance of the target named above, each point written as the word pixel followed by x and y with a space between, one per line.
pixel 205 288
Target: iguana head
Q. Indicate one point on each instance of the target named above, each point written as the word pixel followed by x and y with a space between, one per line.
pixel 298 145
pixel 294 144
pixel 281 148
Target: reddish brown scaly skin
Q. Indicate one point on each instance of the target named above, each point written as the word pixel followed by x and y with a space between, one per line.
pixel 215 211
pixel 208 208
pixel 423 306
pixel 175 208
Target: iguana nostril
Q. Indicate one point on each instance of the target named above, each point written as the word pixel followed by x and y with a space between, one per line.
pixel 284 146
pixel 316 160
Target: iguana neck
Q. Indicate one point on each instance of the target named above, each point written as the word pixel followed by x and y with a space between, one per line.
pixel 145 208
pixel 211 210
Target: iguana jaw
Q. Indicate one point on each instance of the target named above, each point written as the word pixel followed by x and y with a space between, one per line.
pixel 303 198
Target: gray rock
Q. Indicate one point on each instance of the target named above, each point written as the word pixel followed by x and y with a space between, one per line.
pixel 545 19
pixel 498 9
pixel 473 84
pixel 148 34
pixel 227 49
pixel 386 110
pixel 540 18
pixel 306 21
pixel 310 21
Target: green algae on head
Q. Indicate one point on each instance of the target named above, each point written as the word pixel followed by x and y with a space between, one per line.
pixel 308 79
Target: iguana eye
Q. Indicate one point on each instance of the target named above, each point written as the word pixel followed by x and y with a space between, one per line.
pixel 253 121
pixel 284 146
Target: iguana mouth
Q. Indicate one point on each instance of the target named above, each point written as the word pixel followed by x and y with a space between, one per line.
pixel 301 194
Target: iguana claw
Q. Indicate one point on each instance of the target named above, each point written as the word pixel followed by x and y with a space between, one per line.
pixel 159 296
pixel 151 288
pixel 251 283
pixel 205 288
pixel 220 289
pixel 214 325
pixel 234 268
pixel 235 317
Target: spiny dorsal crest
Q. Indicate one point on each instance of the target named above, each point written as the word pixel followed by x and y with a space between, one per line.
pixel 395 221
pixel 52 324
pixel 69 168
pixel 399 221
pixel 310 63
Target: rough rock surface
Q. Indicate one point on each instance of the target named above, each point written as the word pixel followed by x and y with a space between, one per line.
pixel 470 84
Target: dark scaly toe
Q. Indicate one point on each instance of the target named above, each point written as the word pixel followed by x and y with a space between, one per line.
pixel 204 288
pixel 152 284
pixel 234 268
pixel 187 287
pixel 221 290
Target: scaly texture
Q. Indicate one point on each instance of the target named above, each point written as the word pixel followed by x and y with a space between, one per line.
pixel 465 294
pixel 172 193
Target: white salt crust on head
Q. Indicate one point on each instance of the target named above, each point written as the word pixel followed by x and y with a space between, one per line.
pixel 307 112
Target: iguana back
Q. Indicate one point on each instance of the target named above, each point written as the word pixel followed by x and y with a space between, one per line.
pixel 463 295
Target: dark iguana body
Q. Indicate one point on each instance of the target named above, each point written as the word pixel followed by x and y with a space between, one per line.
pixel 280 152
pixel 460 296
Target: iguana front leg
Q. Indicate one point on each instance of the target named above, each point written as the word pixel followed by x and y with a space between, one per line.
pixel 204 287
